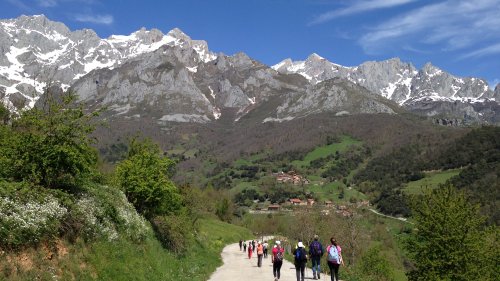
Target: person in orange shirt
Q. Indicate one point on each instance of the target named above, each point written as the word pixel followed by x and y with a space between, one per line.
pixel 260 253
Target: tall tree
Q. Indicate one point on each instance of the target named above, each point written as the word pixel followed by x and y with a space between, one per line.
pixel 53 147
pixel 144 176
pixel 446 243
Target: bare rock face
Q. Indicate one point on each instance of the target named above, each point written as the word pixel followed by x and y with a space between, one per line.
pixel 173 78
pixel 403 83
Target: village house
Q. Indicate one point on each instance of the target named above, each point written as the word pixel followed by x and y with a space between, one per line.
pixel 290 177
pixel 364 203
pixel 295 201
pixel 310 202
pixel 328 203
pixel 273 207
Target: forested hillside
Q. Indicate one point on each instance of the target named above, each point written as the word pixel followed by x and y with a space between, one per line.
pixel 476 154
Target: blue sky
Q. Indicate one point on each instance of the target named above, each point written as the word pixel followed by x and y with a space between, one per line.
pixel 459 36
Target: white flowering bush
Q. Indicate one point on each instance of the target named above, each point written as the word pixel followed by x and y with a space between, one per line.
pixel 105 213
pixel 29 221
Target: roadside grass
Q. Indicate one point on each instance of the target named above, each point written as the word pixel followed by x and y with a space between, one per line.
pixel 127 260
pixel 431 180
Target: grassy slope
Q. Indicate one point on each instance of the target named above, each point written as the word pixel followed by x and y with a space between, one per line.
pixel 125 260
pixel 327 150
pixel 431 180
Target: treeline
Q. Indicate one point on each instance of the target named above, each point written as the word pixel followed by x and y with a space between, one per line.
pixel 476 153
pixel 343 163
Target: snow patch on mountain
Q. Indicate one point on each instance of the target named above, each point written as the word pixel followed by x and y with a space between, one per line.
pixel 394 80
pixel 52 53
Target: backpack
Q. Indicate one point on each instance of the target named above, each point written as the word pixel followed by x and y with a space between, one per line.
pixel 316 249
pixel 333 254
pixel 279 255
pixel 300 255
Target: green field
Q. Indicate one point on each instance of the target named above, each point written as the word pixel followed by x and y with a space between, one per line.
pixel 331 191
pixel 327 150
pixel 431 180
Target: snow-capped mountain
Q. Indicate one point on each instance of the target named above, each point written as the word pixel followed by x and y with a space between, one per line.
pixel 395 80
pixel 35 51
pixel 172 78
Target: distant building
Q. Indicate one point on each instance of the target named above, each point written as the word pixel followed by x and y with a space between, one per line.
pixel 273 207
pixel 310 202
pixel 290 177
pixel 295 201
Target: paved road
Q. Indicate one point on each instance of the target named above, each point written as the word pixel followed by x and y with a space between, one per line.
pixel 238 267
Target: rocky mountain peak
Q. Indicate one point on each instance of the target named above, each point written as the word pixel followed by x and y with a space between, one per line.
pixel 39 23
pixel 283 65
pixel 431 70
pixel 178 34
pixel 314 58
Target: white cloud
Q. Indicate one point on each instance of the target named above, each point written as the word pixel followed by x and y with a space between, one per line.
pixel 20 4
pixel 453 24
pixel 47 3
pixel 357 7
pixel 97 19
pixel 490 50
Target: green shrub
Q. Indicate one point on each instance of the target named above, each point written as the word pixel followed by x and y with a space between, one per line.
pixel 144 177
pixel 52 144
pixel 104 213
pixel 374 266
pixel 174 232
pixel 27 217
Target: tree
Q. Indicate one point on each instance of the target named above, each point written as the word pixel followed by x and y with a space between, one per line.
pixel 447 239
pixel 52 143
pixel 374 266
pixel 144 177
pixel 4 114
pixel 224 209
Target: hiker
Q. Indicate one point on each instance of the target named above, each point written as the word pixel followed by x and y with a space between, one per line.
pixel 315 252
pixel 250 250
pixel 300 260
pixel 260 253
pixel 277 259
pixel 244 246
pixel 334 258
pixel 266 245
pixel 241 244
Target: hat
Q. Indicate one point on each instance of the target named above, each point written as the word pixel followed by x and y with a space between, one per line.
pixel 316 236
pixel 300 245
pixel 278 242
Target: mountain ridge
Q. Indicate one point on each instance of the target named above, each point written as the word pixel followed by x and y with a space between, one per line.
pixel 193 84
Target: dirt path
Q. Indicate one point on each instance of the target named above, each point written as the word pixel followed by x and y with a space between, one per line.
pixel 238 267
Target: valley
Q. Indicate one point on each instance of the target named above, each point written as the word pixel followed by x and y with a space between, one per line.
pixel 142 156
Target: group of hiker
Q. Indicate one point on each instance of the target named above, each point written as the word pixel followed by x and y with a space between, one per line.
pixel 260 248
pixel 300 255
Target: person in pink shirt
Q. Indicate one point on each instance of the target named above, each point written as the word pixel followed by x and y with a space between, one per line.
pixel 277 260
pixel 334 258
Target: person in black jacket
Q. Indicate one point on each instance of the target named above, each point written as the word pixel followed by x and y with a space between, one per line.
pixel 300 260
pixel 315 252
